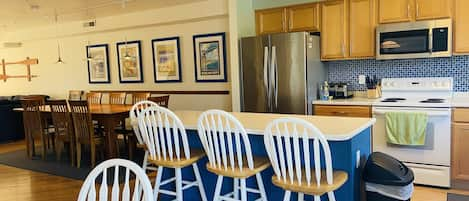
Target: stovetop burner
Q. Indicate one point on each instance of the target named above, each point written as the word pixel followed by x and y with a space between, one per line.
pixel 393 100
pixel 433 100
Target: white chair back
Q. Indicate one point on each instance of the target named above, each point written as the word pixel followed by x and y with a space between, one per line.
pixel 142 189
pixel 164 134
pixel 224 139
pixel 287 141
pixel 137 108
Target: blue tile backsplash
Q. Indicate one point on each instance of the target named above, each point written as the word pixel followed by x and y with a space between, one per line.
pixel 348 71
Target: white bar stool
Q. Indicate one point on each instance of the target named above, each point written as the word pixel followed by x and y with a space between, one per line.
pixel 223 137
pixel 166 141
pixel 287 141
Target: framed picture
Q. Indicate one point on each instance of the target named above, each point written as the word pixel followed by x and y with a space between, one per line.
pixel 166 60
pixel 98 64
pixel 209 57
pixel 130 62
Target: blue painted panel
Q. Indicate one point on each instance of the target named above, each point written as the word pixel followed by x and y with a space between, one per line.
pixel 343 156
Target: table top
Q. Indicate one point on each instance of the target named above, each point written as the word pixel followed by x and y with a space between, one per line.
pixel 334 128
pixel 100 109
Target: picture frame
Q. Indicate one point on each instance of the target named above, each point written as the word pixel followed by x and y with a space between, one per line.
pixel 210 57
pixel 130 62
pixel 166 60
pixel 98 66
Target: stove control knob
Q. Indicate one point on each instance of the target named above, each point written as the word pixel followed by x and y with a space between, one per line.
pixel 394 84
pixel 446 84
pixel 436 84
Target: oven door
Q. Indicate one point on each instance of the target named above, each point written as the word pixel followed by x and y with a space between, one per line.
pixel 437 148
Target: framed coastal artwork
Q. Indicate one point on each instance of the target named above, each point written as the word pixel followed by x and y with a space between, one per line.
pixel 166 60
pixel 98 64
pixel 130 62
pixel 209 57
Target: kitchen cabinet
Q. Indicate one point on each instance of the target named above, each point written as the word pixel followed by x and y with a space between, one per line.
pixel 270 21
pixel 432 9
pixel 461 28
pixel 304 18
pixel 391 11
pixel 362 28
pixel 334 32
pixel 395 11
pixel 342 110
pixel 460 148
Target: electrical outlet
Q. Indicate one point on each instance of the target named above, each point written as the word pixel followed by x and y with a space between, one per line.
pixel 361 79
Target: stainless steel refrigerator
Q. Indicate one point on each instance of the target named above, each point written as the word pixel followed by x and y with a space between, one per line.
pixel 280 73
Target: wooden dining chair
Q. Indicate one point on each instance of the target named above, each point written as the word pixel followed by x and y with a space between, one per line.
pixel 76 95
pixel 224 139
pixel 288 142
pixel 140 96
pixel 84 131
pixel 63 125
pixel 162 101
pixel 166 141
pixel 34 126
pixel 127 181
pixel 117 98
pixel 94 97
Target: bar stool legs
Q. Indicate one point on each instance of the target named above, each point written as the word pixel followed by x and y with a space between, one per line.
pixel 239 185
pixel 181 184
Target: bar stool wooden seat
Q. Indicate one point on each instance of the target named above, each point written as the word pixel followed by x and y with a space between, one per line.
pixel 288 143
pixel 224 139
pixel 168 146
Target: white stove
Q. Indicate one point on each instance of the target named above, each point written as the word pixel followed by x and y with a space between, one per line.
pixel 431 162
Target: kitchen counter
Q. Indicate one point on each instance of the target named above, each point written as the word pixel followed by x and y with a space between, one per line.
pixel 460 100
pixel 255 123
pixel 349 140
pixel 350 101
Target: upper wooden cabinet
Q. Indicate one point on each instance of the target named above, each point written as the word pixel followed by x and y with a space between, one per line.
pixel 362 28
pixel 461 28
pixel 334 32
pixel 391 11
pixel 432 9
pixel 271 21
pixel 304 17
pixel 395 11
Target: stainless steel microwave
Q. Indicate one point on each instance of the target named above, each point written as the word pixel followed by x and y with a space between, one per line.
pixel 422 39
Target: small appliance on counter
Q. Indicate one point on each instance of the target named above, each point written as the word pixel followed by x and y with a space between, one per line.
pixel 340 91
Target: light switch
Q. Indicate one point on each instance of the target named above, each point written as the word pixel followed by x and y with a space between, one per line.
pixel 361 79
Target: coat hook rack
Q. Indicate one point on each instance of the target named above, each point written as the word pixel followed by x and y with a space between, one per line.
pixel 28 62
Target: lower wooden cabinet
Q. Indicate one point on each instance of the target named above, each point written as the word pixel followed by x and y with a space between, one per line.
pixel 342 111
pixel 460 149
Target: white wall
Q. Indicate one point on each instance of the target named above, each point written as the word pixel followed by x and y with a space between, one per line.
pixel 54 79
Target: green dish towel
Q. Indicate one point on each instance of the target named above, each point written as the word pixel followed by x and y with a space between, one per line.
pixel 406 128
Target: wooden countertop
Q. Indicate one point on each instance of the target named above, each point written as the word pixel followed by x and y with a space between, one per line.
pixel 334 128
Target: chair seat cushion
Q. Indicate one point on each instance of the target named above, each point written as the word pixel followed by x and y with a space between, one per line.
pixel 196 154
pixel 339 178
pixel 260 164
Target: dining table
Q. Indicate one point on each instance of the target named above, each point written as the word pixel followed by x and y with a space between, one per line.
pixel 109 117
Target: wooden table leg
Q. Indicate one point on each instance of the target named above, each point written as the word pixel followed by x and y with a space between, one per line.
pixel 111 137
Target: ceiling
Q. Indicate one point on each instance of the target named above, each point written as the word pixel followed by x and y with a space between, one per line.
pixel 21 14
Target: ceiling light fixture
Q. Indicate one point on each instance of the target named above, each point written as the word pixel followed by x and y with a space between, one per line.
pixel 59 59
pixel 127 56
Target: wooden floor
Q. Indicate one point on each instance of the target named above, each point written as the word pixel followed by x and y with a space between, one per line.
pixel 24 185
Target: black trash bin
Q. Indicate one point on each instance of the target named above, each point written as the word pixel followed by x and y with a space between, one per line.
pixel 387 179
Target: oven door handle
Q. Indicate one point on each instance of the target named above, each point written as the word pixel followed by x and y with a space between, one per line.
pixel 429 113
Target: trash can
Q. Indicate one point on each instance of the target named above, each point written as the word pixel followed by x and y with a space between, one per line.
pixel 387 179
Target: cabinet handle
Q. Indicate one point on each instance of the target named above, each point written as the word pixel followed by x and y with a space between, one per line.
pixel 408 10
pixel 418 12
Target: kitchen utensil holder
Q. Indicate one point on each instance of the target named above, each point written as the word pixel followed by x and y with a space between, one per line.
pixel 374 93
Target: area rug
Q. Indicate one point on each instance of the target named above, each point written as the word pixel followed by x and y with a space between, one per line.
pixel 50 165
pixel 457 197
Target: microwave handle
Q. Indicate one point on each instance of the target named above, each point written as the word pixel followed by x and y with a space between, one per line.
pixel 430 42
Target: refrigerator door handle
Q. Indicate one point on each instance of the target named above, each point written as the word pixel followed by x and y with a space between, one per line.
pixel 266 75
pixel 274 78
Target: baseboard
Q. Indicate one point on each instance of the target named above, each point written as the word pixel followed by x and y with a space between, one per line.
pixel 460 185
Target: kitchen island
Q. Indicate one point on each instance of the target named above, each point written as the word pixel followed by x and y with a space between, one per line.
pixel 349 140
